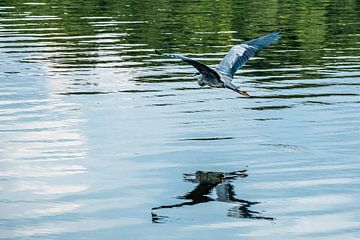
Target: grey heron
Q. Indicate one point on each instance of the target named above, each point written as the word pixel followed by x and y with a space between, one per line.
pixel 222 75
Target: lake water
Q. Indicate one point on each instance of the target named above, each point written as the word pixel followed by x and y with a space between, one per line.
pixel 102 139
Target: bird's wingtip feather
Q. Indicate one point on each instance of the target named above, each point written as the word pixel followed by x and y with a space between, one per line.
pixel 277 34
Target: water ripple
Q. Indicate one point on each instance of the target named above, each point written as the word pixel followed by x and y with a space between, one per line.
pixel 99 134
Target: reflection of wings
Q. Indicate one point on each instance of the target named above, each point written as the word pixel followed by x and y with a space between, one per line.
pixel 207 181
pixel 243 211
pixel 198 195
pixel 225 192
pixel 240 54
pixel 202 68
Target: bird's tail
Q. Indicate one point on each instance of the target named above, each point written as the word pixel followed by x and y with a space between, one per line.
pixel 231 86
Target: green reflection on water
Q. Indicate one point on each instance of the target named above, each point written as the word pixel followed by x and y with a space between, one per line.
pixel 309 27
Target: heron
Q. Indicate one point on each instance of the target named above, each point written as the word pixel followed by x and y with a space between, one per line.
pixel 223 74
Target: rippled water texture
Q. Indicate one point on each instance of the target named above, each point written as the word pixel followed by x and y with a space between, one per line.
pixel 102 139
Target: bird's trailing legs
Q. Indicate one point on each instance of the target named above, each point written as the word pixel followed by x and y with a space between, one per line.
pixel 244 93
pixel 231 86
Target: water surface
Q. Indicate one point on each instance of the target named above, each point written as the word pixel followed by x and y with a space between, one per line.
pixel 102 139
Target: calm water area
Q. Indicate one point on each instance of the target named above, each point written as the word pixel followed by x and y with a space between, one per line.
pixel 100 138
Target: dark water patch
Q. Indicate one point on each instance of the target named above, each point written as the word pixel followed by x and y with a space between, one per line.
pixel 187 88
pixel 11 72
pixel 164 95
pixel 270 107
pixel 160 104
pixel 83 93
pixel 317 102
pixel 200 111
pixel 81 82
pixel 267 119
pixel 285 146
pixel 138 91
pixel 208 139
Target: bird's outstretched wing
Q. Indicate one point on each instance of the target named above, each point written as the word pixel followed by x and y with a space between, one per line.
pixel 202 68
pixel 240 54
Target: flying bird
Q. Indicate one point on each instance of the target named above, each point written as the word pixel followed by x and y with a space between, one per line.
pixel 222 75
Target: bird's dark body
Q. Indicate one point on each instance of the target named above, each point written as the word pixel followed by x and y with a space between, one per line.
pixel 210 81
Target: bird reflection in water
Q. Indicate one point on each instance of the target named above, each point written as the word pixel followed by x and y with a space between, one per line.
pixel 221 182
